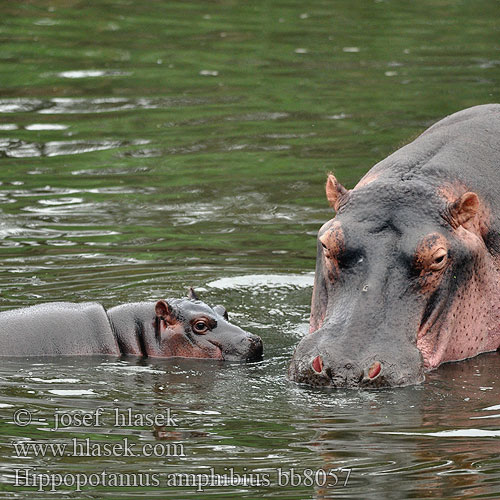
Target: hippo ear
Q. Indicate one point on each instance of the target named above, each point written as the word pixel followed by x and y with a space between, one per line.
pixel 221 310
pixel 164 310
pixel 335 192
pixel 464 208
pixel 191 295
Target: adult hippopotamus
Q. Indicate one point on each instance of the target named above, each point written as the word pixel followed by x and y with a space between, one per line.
pixel 185 327
pixel 408 271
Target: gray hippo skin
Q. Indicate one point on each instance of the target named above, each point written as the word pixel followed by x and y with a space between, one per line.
pixel 408 271
pixel 168 328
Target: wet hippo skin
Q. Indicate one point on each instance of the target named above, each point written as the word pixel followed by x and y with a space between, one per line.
pixel 408 271
pixel 167 328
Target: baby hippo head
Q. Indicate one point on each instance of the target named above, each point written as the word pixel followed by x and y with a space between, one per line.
pixel 190 328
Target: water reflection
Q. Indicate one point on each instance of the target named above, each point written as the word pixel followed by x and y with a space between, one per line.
pixel 15 148
pixel 427 436
pixel 377 435
pixel 71 105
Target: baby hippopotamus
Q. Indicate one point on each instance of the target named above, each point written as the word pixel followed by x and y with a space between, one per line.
pixel 185 327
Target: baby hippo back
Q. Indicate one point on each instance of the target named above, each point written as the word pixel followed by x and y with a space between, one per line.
pixel 58 328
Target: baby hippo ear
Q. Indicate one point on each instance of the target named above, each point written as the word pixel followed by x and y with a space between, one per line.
pixel 164 311
pixel 221 311
pixel 191 295
pixel 464 208
pixel 335 192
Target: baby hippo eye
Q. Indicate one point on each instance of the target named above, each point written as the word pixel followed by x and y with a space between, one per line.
pixel 439 259
pixel 200 327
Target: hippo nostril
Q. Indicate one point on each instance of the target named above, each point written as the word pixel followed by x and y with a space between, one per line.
pixel 317 364
pixel 374 370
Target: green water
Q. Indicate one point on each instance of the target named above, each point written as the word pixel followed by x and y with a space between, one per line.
pixel 149 146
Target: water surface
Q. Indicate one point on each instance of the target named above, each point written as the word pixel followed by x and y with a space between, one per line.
pixel 150 146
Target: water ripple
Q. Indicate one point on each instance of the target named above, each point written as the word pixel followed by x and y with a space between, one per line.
pixel 81 105
pixel 264 281
pixel 453 433
pixel 92 73
pixel 15 148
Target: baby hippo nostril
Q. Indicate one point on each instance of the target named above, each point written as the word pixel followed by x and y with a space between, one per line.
pixel 317 364
pixel 374 370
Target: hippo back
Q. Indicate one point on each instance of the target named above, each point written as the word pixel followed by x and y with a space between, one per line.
pixel 463 147
pixel 58 328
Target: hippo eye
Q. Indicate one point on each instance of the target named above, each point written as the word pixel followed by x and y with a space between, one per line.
pixel 439 259
pixel 200 327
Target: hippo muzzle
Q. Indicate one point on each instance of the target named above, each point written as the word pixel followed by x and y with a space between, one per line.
pixel 241 346
pixel 321 360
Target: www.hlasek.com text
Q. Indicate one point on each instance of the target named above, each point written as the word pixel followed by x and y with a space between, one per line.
pixel 87 448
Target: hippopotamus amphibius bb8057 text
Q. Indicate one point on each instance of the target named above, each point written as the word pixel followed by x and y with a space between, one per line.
pixel 186 328
pixel 408 272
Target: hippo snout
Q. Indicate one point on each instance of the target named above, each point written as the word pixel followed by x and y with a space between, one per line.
pixel 255 349
pixel 242 346
pixel 322 364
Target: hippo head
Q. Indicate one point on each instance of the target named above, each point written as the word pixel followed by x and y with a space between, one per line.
pixel 401 284
pixel 190 328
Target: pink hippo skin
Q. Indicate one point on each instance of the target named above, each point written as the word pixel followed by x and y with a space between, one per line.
pixel 408 272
